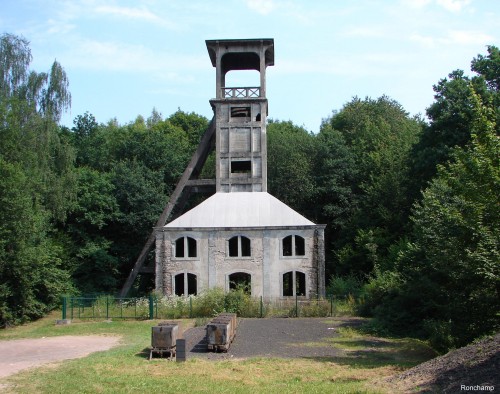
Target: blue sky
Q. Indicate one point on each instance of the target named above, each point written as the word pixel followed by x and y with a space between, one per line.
pixel 125 57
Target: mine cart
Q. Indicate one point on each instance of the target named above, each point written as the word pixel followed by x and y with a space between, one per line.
pixel 221 331
pixel 163 339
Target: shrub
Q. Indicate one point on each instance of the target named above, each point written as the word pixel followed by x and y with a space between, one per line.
pixel 343 286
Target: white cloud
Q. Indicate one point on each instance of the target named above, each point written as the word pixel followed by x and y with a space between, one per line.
pixel 453 5
pixel 366 32
pixel 466 37
pixel 113 56
pixel 59 27
pixel 454 37
pixel 347 65
pixel 131 13
pixel 449 5
pixel 426 41
pixel 263 7
pixel 416 3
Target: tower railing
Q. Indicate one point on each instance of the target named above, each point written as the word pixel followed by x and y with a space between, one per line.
pixel 247 92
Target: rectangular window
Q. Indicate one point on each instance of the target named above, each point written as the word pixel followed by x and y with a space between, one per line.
pixel 233 247
pixel 300 247
pixel 287 246
pixel 241 167
pixel 288 284
pixel 245 247
pixel 240 112
pixel 179 247
pixel 191 247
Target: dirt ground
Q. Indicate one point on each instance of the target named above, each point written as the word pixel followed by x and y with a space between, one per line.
pixel 19 354
pixel 471 369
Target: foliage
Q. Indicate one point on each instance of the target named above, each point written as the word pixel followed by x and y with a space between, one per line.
pixel 126 174
pixel 452 116
pixel 344 286
pixel 36 185
pixel 290 149
pixel 46 93
pixel 454 256
pixel 370 181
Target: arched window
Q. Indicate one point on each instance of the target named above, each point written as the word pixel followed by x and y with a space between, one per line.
pixel 241 280
pixel 294 284
pixel 239 246
pixel 185 247
pixel 293 245
pixel 185 284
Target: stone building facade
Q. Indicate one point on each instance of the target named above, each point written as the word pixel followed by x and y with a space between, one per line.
pixel 241 235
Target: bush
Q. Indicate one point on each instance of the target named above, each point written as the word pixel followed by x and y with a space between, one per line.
pixel 344 286
pixel 439 334
pixel 381 285
pixel 209 303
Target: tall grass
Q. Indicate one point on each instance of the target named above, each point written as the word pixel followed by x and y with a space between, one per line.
pixel 206 304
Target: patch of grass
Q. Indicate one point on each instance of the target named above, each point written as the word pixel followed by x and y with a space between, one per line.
pixel 130 329
pixel 368 352
pixel 125 369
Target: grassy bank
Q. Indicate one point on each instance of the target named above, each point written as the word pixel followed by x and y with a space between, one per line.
pixel 125 368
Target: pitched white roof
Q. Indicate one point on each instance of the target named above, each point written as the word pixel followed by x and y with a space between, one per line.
pixel 243 209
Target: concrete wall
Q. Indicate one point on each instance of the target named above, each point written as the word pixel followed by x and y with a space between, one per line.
pixel 266 265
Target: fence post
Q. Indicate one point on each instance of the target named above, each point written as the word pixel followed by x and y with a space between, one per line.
pixel 261 307
pixel 296 305
pixel 331 304
pixel 64 308
pixel 151 307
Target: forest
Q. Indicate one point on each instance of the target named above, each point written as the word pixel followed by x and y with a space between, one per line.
pixel 410 202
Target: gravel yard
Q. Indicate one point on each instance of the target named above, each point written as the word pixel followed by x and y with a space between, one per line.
pixel 286 338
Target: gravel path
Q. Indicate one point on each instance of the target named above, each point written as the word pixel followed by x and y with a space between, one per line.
pixel 19 354
pixel 287 338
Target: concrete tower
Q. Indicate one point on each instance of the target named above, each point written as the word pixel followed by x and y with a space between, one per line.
pixel 240 115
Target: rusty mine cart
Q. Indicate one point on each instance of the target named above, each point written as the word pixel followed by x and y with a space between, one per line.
pixel 163 340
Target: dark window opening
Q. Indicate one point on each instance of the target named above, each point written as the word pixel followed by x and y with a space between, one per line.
pixel 239 246
pixel 300 283
pixel 258 118
pixel 291 289
pixel 191 247
pixel 233 247
pixel 241 167
pixel 287 246
pixel 192 284
pixel 240 280
pixel 288 284
pixel 240 112
pixel 294 245
pixel 179 285
pixel 179 247
pixel 245 246
pixel 185 281
pixel 185 247
pixel 300 246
